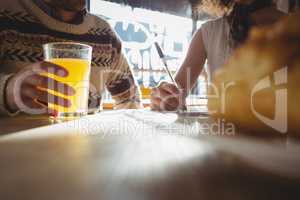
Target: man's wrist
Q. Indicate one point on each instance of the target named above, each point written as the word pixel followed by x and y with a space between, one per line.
pixel 3 90
pixel 6 100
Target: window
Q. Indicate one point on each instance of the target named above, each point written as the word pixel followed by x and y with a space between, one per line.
pixel 138 29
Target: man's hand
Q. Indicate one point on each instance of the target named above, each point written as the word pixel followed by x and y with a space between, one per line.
pixel 27 90
pixel 167 97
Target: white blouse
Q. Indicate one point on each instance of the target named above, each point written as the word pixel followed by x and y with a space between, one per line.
pixel 216 38
pixel 215 35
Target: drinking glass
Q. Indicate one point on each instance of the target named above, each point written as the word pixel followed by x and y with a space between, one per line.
pixel 76 59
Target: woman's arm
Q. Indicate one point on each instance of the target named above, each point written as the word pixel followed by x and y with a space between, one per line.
pixel 166 96
pixel 193 64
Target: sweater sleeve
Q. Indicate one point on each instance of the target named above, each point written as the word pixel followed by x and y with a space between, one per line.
pixel 3 82
pixel 122 86
pixel 120 81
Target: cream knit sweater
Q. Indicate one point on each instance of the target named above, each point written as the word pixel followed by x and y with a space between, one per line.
pixel 24 28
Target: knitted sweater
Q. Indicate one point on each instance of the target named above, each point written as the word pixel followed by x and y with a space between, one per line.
pixel 24 28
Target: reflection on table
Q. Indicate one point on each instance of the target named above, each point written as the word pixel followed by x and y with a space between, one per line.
pixel 140 154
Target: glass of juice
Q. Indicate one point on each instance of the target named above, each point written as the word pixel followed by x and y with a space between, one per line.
pixel 76 59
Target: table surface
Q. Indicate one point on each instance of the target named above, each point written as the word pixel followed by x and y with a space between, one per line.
pixel 20 123
pixel 140 155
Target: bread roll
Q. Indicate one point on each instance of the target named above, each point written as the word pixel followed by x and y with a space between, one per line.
pixel 270 55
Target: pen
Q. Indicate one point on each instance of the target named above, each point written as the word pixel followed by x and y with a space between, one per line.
pixel 163 59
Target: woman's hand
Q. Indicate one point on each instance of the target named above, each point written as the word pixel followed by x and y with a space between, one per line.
pixel 167 97
pixel 27 90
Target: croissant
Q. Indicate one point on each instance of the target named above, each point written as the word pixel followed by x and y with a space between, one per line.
pixel 258 89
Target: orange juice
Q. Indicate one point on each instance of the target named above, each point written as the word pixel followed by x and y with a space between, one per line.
pixel 78 79
pixel 146 92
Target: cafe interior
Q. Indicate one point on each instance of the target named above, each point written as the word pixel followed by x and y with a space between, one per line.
pixel 235 131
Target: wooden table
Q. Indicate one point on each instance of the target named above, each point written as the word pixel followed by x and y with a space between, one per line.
pixel 141 155
pixel 23 122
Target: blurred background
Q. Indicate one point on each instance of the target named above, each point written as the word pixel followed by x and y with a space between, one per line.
pixel 171 23
pixel 138 29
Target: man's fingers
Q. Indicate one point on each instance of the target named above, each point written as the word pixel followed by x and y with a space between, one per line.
pixel 45 97
pixel 54 85
pixel 29 104
pixel 32 104
pixel 58 101
pixel 53 69
pixel 49 83
pixel 52 112
pixel 42 107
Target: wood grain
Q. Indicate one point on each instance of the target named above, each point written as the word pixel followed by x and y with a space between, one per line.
pixel 98 157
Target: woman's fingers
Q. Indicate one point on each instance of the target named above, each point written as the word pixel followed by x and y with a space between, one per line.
pixel 155 104
pixel 156 101
pixel 158 104
pixel 170 88
pixel 163 100
pixel 172 100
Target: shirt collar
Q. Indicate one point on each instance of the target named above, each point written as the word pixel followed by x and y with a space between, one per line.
pixel 51 12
